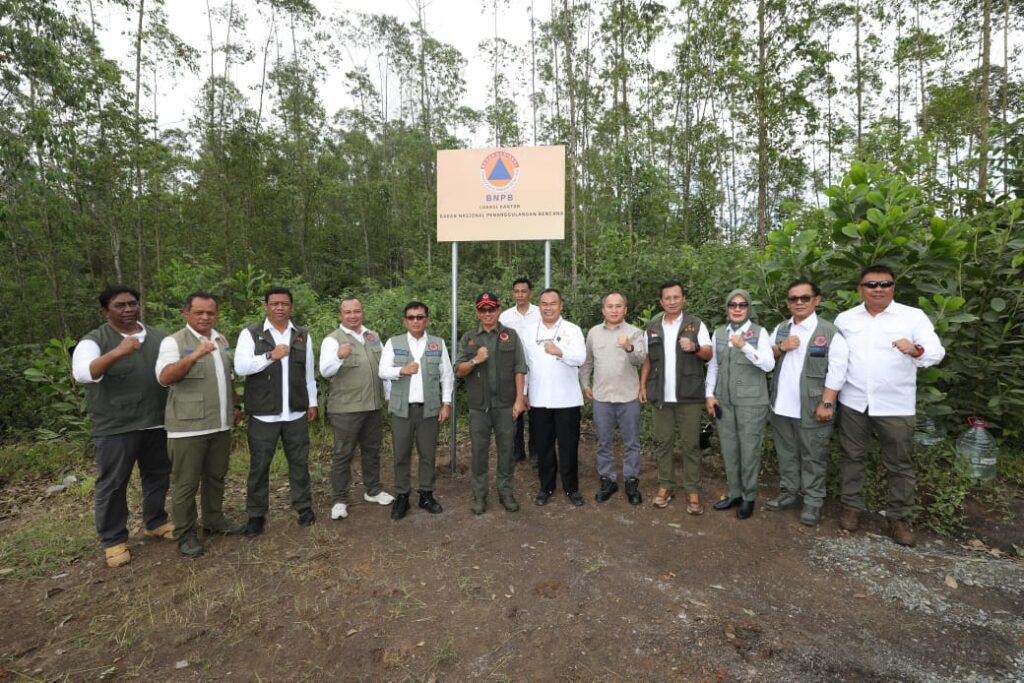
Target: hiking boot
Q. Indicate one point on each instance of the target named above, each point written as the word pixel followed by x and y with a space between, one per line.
pixel 810 515
pixel 479 506
pixel 783 501
pixel 429 503
pixel 849 520
pixel 508 501
pixel 608 489
pixel 306 518
pixel 662 497
pixel 229 530
pixel 117 555
pixel 633 491
pixel 190 545
pixel 401 506
pixel 693 504
pixel 901 532
pixel 165 530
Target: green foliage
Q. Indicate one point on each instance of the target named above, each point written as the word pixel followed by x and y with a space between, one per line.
pixel 44 458
pixel 63 411
pixel 47 543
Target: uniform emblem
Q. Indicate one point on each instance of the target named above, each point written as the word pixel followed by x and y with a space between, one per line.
pixel 748 334
pixel 820 340
pixel 503 336
pixel 300 339
pixel 369 337
pixel 471 342
pixel 432 346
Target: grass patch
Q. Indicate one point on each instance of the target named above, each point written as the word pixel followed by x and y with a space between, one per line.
pixel 42 459
pixel 43 545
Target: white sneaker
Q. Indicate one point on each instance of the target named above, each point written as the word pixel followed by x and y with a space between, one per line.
pixel 339 511
pixel 383 498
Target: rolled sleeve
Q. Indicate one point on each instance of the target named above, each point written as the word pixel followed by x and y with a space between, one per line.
pixel 167 355
pixel 329 361
pixel 246 362
pixel 86 352
pixel 387 369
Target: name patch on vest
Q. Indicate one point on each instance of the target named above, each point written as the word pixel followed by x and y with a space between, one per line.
pixel 433 353
pixel 401 352
pixel 781 335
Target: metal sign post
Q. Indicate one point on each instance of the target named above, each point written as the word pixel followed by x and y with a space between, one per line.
pixel 454 349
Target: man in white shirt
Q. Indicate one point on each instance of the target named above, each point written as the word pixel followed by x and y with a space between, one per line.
pixel 521 318
pixel 276 359
pixel 555 350
pixel 810 370
pixel 420 371
pixel 888 343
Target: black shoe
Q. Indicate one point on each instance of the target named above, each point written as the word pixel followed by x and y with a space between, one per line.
pixel 633 491
pixel 575 497
pixel 428 503
pixel 229 530
pixel 745 509
pixel 190 545
pixel 254 527
pixel 307 518
pixel 509 502
pixel 401 506
pixel 727 503
pixel 542 498
pixel 608 489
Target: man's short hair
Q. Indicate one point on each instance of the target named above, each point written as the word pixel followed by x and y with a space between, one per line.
pixel 199 295
pixel 110 292
pixel 346 298
pixel 413 305
pixel 551 290
pixel 804 281
pixel 669 285
pixel 277 290
pixel 625 301
pixel 522 281
pixel 877 268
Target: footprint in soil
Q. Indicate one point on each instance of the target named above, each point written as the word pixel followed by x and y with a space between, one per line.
pixel 550 589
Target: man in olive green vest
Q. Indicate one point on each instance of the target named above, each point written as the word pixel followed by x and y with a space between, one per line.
pixel 672 381
pixel 276 359
pixel 737 394
pixel 420 372
pixel 350 359
pixel 492 361
pixel 201 408
pixel 810 370
pixel 126 408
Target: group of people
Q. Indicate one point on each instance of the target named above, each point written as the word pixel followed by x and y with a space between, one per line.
pixel 167 402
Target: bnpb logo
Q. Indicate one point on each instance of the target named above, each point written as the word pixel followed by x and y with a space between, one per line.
pixel 499 172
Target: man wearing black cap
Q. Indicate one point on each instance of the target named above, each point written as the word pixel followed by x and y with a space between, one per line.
pixel 492 361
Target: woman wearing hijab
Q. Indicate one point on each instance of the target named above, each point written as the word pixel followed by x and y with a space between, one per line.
pixel 737 394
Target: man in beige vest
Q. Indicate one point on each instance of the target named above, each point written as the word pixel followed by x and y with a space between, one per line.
pixel 201 408
pixel 350 359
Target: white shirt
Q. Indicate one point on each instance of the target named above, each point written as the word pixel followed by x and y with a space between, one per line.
pixel 760 355
pixel 389 371
pixel 879 377
pixel 511 317
pixel 787 400
pixel 247 363
pixel 553 381
pixel 671 348
pixel 329 361
pixel 169 354
pixel 86 351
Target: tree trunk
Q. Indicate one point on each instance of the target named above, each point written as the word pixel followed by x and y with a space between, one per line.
pixel 140 247
pixel 983 121
pixel 762 127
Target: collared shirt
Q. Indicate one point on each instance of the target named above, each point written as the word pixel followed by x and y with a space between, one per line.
pixel 170 354
pixel 760 355
pixel 554 381
pixel 614 369
pixel 389 371
pixel 86 351
pixel 329 361
pixel 672 347
pixel 511 317
pixel 787 400
pixel 879 377
pixel 247 363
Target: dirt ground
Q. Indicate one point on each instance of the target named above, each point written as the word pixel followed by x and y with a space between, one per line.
pixel 603 592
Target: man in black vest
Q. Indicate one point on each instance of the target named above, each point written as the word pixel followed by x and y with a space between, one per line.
pixel 126 406
pixel 276 359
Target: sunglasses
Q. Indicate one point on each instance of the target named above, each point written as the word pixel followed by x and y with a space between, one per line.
pixel 801 299
pixel 487 309
pixel 875 284
pixel 738 304
pixel 416 317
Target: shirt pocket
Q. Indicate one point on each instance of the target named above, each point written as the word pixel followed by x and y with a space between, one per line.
pixel 190 408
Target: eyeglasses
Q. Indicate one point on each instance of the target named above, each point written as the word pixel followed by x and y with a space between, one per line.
pixel 488 309
pixel 416 317
pixel 738 304
pixel 801 299
pixel 875 284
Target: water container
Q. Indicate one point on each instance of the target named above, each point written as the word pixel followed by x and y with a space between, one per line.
pixel 977 449
pixel 928 431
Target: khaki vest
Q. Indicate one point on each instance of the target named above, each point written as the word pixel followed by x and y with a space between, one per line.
pixel 128 398
pixel 430 368
pixel 193 404
pixel 812 377
pixel 356 388
pixel 739 382
pixel 263 389
pixel 689 367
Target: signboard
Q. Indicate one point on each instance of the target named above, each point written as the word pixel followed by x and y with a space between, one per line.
pixel 514 193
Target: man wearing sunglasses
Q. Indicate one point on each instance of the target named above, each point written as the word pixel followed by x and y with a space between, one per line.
pixel 888 342
pixel 810 370
pixel 420 372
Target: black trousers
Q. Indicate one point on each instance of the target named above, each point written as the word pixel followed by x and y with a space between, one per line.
pixel 522 441
pixel 115 457
pixel 556 434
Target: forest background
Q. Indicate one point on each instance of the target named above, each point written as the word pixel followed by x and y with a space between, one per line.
pixel 720 142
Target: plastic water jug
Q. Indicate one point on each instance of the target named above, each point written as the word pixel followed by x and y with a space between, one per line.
pixel 977 449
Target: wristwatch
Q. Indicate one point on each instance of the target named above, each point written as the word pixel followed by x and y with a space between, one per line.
pixel 828 404
pixel 268 356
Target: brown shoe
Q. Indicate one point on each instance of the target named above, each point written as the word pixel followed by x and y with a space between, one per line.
pixel 165 530
pixel 662 497
pixel 849 520
pixel 117 555
pixel 693 504
pixel 902 533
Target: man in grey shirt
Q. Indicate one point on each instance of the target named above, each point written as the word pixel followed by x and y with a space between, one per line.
pixel 615 349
